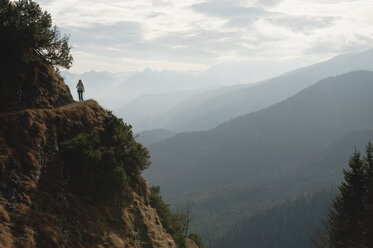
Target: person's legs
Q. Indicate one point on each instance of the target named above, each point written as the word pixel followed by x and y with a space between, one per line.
pixel 80 95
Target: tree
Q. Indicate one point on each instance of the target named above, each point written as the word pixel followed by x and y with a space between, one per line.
pixel 368 199
pixel 176 223
pixel 350 222
pixel 188 217
pixel 344 220
pixel 27 35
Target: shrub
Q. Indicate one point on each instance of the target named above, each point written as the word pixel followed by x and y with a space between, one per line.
pixel 102 162
pixel 162 208
pixel 197 239
pixel 174 223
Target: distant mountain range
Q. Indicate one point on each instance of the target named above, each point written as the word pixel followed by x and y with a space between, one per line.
pixel 204 111
pixel 257 143
pixel 116 90
pixel 156 111
pixel 200 100
pixel 154 136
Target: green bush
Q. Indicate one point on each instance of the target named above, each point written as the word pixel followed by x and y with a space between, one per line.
pixel 162 208
pixel 197 239
pixel 27 35
pixel 104 161
pixel 174 223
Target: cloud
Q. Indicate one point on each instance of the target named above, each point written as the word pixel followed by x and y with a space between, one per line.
pixel 120 33
pixel 268 2
pixel 240 15
pixel 234 12
pixel 338 44
pixel 196 33
pixel 228 9
pixel 303 23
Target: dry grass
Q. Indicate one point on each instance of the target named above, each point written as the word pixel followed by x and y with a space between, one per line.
pixel 38 211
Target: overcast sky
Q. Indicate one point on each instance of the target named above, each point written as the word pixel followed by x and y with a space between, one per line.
pixel 128 35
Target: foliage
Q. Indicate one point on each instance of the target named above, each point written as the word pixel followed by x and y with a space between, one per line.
pixel 286 224
pixel 350 221
pixel 27 35
pixel 197 239
pixel 104 161
pixel 162 208
pixel 174 223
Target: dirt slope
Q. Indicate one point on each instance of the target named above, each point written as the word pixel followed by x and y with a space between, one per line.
pixel 36 207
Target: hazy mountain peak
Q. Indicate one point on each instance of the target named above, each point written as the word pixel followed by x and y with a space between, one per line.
pixel 147 70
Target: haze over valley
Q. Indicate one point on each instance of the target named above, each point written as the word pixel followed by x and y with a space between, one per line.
pixel 246 149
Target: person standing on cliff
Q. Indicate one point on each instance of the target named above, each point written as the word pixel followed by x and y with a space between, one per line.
pixel 80 88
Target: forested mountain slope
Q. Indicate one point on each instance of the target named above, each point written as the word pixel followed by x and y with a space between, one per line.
pixel 258 143
pixel 220 209
pixel 289 224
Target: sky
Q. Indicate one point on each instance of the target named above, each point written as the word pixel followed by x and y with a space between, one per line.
pixel 273 35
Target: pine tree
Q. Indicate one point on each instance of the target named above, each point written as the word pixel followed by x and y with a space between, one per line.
pixel 350 222
pixel 368 199
pixel 344 220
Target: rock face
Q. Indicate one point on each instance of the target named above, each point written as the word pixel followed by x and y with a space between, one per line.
pixel 191 244
pixel 37 86
pixel 36 207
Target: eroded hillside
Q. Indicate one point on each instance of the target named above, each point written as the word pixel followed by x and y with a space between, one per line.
pixel 39 206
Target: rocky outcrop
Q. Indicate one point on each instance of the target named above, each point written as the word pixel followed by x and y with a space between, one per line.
pixel 190 244
pixel 35 86
pixel 37 209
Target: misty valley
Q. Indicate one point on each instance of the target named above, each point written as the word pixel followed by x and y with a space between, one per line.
pixel 261 163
